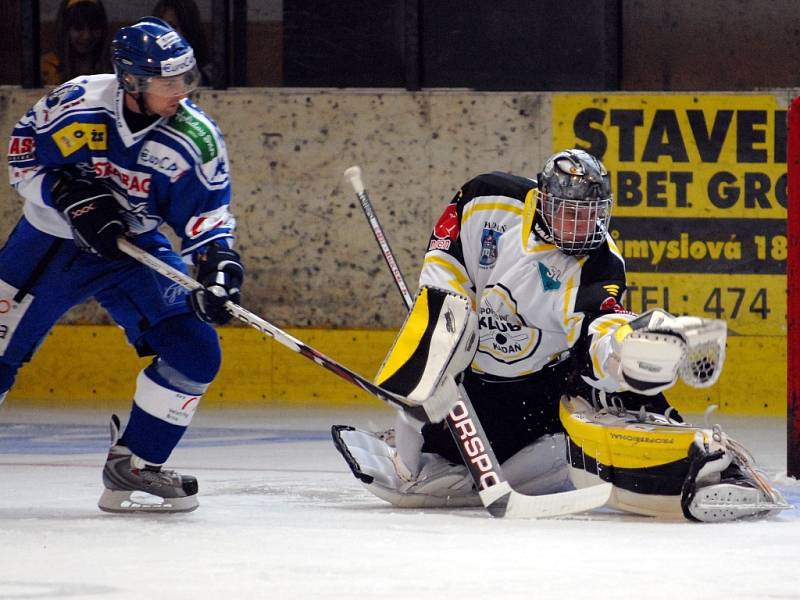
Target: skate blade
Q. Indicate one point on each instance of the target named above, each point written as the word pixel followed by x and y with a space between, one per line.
pixel 136 501
pixel 731 502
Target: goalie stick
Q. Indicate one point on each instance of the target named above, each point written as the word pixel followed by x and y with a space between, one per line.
pixel 353 175
pixel 280 336
pixel 495 492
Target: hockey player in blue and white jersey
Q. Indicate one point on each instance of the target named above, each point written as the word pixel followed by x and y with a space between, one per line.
pixel 104 156
pixel 561 368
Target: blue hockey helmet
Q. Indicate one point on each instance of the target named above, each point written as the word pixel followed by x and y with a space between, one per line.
pixel 151 56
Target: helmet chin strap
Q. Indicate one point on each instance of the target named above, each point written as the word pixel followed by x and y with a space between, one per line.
pixel 139 98
pixel 138 95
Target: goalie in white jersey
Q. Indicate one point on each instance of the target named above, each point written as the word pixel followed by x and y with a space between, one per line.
pixel 563 374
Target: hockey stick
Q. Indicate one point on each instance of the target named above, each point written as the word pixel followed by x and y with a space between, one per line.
pixel 495 492
pixel 280 336
pixel 353 175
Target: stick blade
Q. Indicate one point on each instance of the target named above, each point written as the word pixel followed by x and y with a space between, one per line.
pixel 521 506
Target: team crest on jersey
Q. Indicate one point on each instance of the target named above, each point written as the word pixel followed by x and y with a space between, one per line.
pixel 64 95
pixel 549 277
pixel 61 99
pixel 489 239
pixel 503 336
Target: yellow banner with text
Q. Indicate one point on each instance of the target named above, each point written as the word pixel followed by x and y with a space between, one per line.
pixel 699 183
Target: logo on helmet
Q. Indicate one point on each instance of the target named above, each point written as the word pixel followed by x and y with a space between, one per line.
pixel 177 65
pixel 166 40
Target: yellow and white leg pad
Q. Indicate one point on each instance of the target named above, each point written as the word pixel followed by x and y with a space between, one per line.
pixel 662 468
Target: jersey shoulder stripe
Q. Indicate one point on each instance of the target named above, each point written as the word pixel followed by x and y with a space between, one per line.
pixel 497 183
pixel 192 125
pixel 81 115
pixel 492 204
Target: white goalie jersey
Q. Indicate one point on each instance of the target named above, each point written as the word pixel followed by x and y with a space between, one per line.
pixel 534 302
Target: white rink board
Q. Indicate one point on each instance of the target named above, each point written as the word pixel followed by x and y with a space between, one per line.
pixel 282 517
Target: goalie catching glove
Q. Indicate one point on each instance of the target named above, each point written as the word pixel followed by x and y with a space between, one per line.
pixel 652 351
pixel 435 344
pixel 220 271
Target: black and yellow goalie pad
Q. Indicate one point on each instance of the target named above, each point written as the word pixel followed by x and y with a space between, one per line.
pixel 651 461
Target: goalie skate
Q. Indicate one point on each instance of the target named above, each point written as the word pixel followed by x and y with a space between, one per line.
pixel 731 501
pixel 374 462
pixel 133 486
pixel 725 485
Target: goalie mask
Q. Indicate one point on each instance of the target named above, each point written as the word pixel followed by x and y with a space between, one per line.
pixel 573 202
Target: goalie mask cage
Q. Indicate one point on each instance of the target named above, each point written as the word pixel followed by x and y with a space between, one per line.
pixel 793 293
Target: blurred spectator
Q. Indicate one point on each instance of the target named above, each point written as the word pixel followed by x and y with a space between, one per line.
pixel 184 17
pixel 81 34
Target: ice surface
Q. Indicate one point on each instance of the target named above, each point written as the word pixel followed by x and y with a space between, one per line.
pixel 282 517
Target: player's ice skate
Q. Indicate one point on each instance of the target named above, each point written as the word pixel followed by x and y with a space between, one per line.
pixel 131 485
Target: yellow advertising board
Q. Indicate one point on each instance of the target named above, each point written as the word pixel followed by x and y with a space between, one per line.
pixel 699 182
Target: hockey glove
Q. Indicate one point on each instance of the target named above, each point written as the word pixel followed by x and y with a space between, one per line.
pixel 221 272
pixel 91 211
pixel 657 348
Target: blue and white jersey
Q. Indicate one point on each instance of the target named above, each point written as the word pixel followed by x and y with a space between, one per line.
pixel 174 171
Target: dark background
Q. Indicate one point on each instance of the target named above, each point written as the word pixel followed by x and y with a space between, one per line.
pixel 529 45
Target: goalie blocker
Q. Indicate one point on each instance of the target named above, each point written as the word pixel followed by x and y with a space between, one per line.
pixel 435 344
